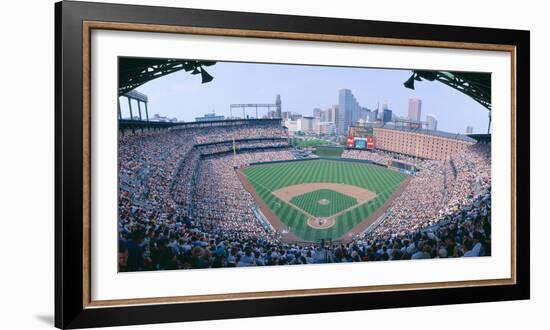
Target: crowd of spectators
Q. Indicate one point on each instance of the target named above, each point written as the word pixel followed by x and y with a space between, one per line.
pixel 181 205
pixel 223 205
pixel 440 214
pixel 228 133
pixel 224 147
pixel 160 176
pixel 378 156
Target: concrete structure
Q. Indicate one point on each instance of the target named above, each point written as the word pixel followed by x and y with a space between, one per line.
pixel 420 143
pixel 415 109
pixel 432 122
pixel 469 129
pixel 303 124
pixel 307 124
pixel 291 125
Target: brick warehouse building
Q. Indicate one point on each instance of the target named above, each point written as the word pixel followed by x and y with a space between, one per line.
pixel 419 142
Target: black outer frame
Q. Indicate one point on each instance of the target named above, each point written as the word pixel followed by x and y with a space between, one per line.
pixel 69 308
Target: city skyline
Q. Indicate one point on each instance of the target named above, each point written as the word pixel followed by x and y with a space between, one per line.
pixel 304 88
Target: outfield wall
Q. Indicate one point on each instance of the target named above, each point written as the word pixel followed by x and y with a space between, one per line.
pixel 252 149
pixel 338 159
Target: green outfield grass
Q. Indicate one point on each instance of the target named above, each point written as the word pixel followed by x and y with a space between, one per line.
pixel 309 202
pixel 328 151
pixel 268 178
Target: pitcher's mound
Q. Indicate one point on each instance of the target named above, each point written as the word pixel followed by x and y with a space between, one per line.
pixel 321 223
pixel 324 201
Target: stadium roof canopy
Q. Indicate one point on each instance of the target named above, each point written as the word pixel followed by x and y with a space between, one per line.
pixel 476 85
pixel 124 124
pixel 133 94
pixel 134 72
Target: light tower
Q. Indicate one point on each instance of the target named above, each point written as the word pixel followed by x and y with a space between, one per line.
pixel 278 106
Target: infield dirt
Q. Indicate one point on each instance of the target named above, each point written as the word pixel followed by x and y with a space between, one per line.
pixel 361 194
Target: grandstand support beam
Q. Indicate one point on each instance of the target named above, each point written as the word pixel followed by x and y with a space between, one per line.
pixel 146 112
pixel 118 108
pixel 130 107
pixel 139 109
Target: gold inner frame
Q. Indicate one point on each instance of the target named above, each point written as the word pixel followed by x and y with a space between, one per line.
pixel 87 28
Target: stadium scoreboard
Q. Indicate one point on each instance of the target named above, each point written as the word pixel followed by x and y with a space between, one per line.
pixel 361 143
pixel 360 137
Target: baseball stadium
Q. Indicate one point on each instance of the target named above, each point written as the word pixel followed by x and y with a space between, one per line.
pixel 236 192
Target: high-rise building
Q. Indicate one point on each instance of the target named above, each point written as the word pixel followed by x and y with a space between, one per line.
pixel 328 115
pixel 332 114
pixel 287 114
pixel 317 112
pixel 327 128
pixel 373 116
pixel 387 115
pixel 364 114
pixel 348 111
pixel 432 122
pixel 307 124
pixel 291 125
pixel 415 109
pixel 469 129
pixel 322 115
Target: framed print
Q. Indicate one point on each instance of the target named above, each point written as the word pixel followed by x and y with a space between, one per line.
pixel 218 164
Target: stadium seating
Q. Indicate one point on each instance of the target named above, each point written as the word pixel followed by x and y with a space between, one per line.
pixel 182 206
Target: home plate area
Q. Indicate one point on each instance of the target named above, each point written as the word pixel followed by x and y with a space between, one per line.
pixel 322 202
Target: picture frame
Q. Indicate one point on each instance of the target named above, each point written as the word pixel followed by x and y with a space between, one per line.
pixel 74 24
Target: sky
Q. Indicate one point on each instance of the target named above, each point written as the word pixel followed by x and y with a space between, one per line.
pixel 303 88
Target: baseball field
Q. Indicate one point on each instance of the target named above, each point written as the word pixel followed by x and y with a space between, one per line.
pixel 322 199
